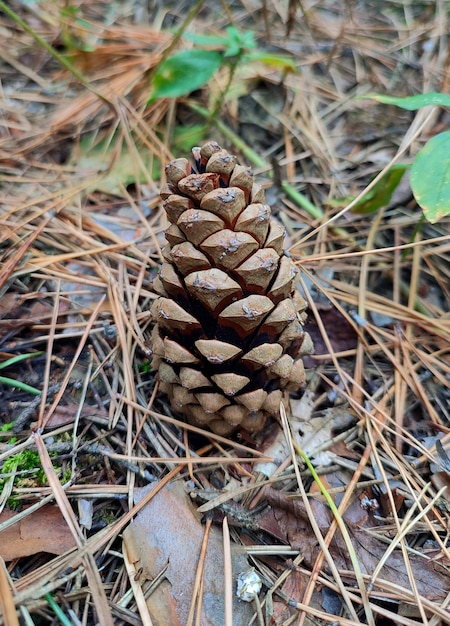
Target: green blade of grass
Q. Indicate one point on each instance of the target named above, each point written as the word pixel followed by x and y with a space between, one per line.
pixel 10 382
pixel 59 613
pixel 18 358
pixel 342 527
pixel 411 103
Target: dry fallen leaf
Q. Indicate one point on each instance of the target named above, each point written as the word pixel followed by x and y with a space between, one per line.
pixel 167 533
pixel 311 434
pixel 63 415
pixel 431 578
pixel 45 530
pixel 340 333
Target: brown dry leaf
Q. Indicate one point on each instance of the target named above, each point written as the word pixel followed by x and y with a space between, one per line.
pixel 10 305
pixel 294 587
pixel 441 468
pixel 18 313
pixel 63 415
pixel 167 533
pixel 440 480
pixel 340 332
pixel 431 578
pixel 313 433
pixel 274 445
pixel 45 530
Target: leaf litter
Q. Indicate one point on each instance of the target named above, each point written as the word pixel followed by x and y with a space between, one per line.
pixel 79 245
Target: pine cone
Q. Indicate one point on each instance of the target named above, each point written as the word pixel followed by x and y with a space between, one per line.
pixel 228 336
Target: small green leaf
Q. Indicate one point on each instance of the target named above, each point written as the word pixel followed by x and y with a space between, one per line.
pixel 187 136
pixel 184 72
pixel 277 61
pixel 430 177
pixel 233 44
pixel 381 193
pixel 111 164
pixel 237 42
pixel 206 40
pixel 412 103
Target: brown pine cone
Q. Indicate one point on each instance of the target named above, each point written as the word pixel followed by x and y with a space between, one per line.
pixel 228 336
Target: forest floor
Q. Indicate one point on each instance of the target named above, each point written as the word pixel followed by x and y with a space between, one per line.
pixel 102 486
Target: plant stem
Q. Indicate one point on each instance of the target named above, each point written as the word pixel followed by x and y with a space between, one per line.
pixel 54 53
pixel 220 100
pixel 237 141
pixel 301 200
pixel 341 524
pixel 252 156
pixel 187 20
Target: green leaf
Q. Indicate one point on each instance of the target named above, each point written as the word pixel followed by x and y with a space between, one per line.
pixel 184 72
pixel 233 44
pixel 206 40
pixel 430 177
pixel 277 61
pixel 412 103
pixel 111 164
pixel 187 136
pixel 381 193
pixel 237 42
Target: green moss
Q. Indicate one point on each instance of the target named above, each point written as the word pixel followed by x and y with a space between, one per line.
pixel 28 471
pixel 67 475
